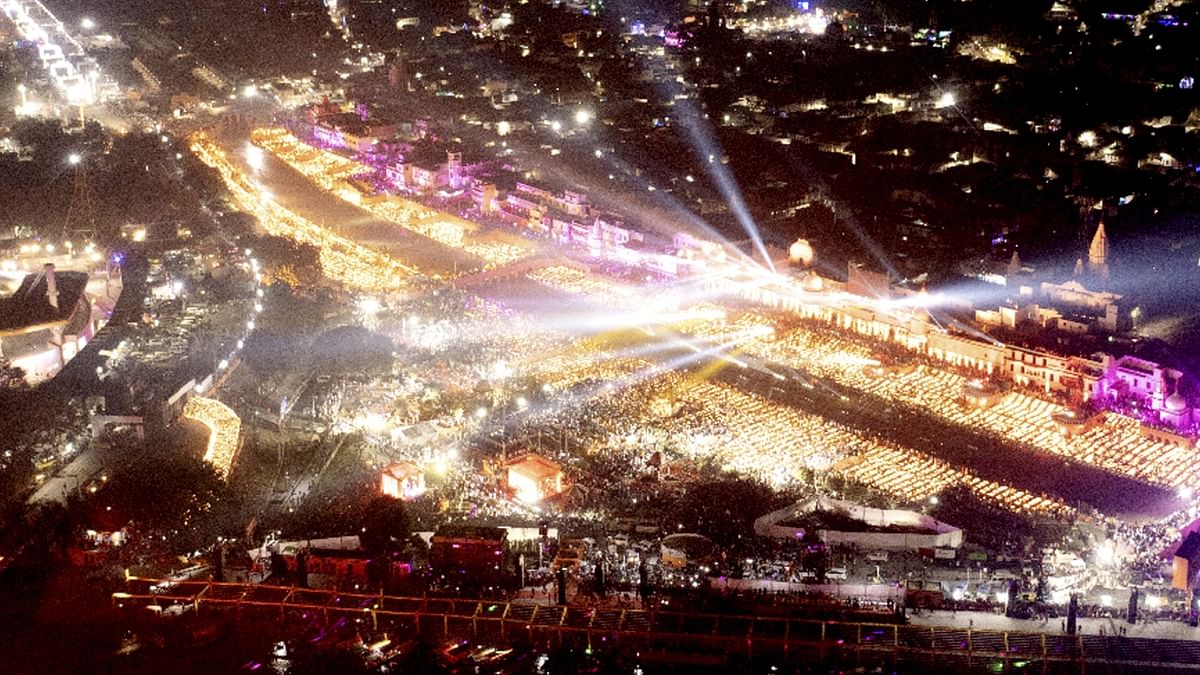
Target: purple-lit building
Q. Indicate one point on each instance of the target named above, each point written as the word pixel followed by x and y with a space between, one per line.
pixel 428 167
pixel 1149 385
pixel 349 131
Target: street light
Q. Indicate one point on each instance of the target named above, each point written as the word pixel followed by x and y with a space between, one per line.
pixel 87 23
pixel 74 158
pixel 582 116
pixel 254 157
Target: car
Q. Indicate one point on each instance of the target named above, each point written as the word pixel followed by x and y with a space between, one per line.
pixel 877 556
pixel 1005 575
pixel 836 574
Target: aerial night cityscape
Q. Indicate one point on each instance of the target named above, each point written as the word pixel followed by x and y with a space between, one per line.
pixel 599 336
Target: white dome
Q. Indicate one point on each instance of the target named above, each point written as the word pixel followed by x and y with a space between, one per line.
pixel 1176 403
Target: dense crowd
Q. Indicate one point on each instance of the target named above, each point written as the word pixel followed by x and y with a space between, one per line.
pixel 1115 444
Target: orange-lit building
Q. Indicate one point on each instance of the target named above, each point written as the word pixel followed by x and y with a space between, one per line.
pixel 402 480
pixel 533 478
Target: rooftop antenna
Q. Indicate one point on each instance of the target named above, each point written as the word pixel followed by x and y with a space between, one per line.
pixel 81 215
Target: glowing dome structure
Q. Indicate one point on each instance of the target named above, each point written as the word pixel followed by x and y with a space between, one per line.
pixel 1176 403
pixel 801 252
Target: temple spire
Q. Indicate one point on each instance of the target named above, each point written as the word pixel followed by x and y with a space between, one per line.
pixel 1014 264
pixel 1098 253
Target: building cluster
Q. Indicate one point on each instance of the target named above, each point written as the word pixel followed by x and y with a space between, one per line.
pixel 1096 380
pixel 995 342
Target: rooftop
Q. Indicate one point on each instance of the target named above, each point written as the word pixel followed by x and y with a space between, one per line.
pixel 29 305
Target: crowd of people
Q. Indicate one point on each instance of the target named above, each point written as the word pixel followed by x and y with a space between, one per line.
pixel 913 477
pixel 1115 444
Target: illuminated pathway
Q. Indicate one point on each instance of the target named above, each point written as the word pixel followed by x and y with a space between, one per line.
pixel 988 457
pixel 341 258
pixel 296 193
pixel 224 431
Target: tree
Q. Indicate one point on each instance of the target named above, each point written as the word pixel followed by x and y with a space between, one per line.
pixel 385 525
pixel 169 490
pixel 352 348
pixel 11 377
pixel 723 510
pixel 287 261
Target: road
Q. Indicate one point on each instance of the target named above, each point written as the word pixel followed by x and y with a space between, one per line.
pixel 297 193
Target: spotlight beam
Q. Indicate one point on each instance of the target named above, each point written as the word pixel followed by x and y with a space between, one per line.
pixel 706 147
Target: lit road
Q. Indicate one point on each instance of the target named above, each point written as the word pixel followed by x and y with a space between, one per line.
pixel 962 447
pixel 293 191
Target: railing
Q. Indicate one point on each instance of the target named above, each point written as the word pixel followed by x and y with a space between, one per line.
pixel 452 617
